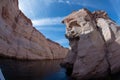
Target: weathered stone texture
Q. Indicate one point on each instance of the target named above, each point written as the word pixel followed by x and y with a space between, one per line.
pixel 95 44
pixel 19 39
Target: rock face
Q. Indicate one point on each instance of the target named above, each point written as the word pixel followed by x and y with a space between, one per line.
pixel 19 39
pixel 95 44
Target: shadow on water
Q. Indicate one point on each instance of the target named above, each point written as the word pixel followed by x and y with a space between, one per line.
pixel 32 70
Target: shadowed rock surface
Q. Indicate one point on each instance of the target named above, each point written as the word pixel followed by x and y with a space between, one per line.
pixel 95 44
pixel 19 39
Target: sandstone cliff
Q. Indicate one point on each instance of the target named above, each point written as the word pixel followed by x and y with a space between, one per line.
pixel 19 39
pixel 95 44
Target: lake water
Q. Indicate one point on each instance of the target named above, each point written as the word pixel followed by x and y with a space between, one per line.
pixel 36 70
pixel 32 70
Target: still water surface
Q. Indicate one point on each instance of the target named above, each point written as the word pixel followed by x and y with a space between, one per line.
pixel 32 70
pixel 37 70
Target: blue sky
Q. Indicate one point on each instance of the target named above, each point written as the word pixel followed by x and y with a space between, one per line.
pixel 46 15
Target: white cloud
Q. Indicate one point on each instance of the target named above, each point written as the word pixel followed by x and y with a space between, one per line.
pixel 64 1
pixel 50 29
pixel 25 6
pixel 84 3
pixel 47 21
pixel 62 41
pixel 68 2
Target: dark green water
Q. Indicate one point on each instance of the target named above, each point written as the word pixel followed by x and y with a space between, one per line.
pixel 32 70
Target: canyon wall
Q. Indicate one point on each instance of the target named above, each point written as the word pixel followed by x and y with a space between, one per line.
pixel 95 44
pixel 20 40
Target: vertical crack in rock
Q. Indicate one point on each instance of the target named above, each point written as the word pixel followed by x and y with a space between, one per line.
pixel 106 52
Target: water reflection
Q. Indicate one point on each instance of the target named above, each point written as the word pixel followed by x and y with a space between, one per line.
pixel 32 70
pixel 60 75
pixel 37 70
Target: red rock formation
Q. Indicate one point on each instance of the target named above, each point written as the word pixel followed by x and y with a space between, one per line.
pixel 19 39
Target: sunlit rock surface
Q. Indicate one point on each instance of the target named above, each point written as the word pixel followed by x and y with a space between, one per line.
pixel 95 44
pixel 19 39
